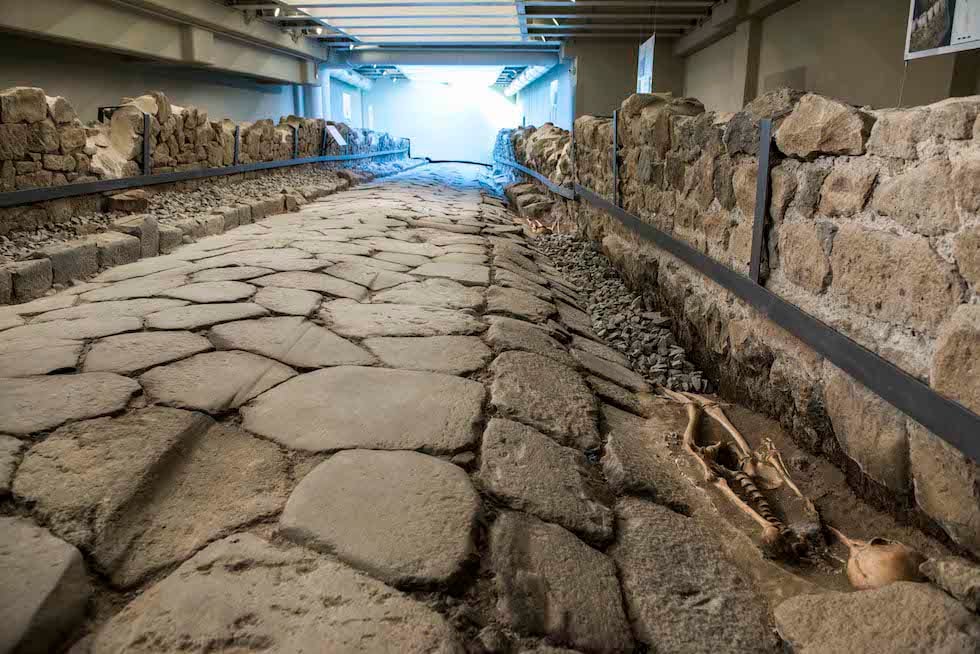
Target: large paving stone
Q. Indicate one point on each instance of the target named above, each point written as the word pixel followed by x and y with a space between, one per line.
pixel 38 356
pixel 212 292
pixel 577 320
pixel 31 404
pixel 956 576
pixel 546 395
pixel 503 277
pixel 230 274
pixel 610 370
pixel 291 301
pixel 517 303
pixel 292 340
pixel 466 274
pixel 43 588
pixel 110 310
pixel 10 449
pixel 148 286
pixel 600 350
pixel 129 353
pixel 453 355
pixel 682 595
pixel 902 617
pixel 433 292
pixel 368 276
pixel 354 407
pixel 203 315
pixel 214 381
pixel 510 334
pixel 245 591
pixel 401 247
pixel 74 329
pixel 530 472
pixel 149 489
pixel 349 318
pixel 404 517
pixel 311 281
pixel 282 259
pixel 551 584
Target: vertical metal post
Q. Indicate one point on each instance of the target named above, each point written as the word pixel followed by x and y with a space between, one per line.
pixel 409 148
pixel 147 164
pixel 238 144
pixel 615 158
pixel 295 141
pixel 761 199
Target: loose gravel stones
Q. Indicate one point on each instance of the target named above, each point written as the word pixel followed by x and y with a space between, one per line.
pixel 511 334
pixel 31 404
pixel 10 449
pixel 291 301
pixel 403 517
pixel 552 584
pixel 901 617
pixel 244 590
pixel 38 356
pixel 293 341
pixel 519 304
pixel 312 281
pixel 191 383
pixel 453 355
pixel 203 315
pixel 432 292
pixel 349 318
pixel 43 588
pixel 212 292
pixel 546 395
pixel 530 472
pixel 681 593
pixel 465 274
pixel 129 353
pixel 353 407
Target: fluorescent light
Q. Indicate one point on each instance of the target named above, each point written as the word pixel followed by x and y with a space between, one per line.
pixel 555 21
pixel 276 12
pixel 319 30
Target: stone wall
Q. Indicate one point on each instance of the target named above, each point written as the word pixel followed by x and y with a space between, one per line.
pixel 873 227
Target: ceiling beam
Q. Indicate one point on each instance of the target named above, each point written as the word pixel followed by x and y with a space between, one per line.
pixel 487 56
pixel 516 37
pixel 605 4
pixel 533 26
pixel 336 20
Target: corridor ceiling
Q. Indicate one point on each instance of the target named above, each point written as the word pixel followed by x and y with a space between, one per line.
pixel 523 24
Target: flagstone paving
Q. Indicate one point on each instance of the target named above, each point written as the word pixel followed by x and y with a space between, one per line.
pixel 365 426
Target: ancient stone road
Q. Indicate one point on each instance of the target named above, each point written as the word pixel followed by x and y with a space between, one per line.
pixel 378 424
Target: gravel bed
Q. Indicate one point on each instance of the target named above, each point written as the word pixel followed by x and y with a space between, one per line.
pixel 624 319
pixel 169 206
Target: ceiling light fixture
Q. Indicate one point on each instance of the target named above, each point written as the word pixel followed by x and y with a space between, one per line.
pixel 318 30
pixel 555 21
pixel 276 12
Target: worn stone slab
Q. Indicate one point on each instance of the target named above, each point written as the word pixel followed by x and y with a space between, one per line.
pixel 517 303
pixel 956 576
pixel 112 309
pixel 403 517
pixel 610 370
pixel 411 260
pixel 546 395
pixel 230 274
pixel 433 292
pixel 529 472
pixel 466 274
pixel 30 279
pixel 615 395
pixel 212 292
pixel 194 384
pixel 353 407
pixel 462 257
pixel 147 286
pixel 901 617
pixel 291 301
pixel 333 247
pixel 369 262
pixel 202 315
pixel 506 265
pixel 38 356
pixel 129 353
pixel 73 329
pixel 510 280
pixel 10 321
pixel 551 584
pixel 291 340
pixel 311 281
pixel 368 276
pixel 512 334
pixel 245 590
pixel 31 404
pixel 600 350
pixel 349 318
pixel 453 355
pixel 680 591
pixel 282 260
pixel 44 588
pixel 401 247
pixel 577 320
pixel 10 449
pixel 38 306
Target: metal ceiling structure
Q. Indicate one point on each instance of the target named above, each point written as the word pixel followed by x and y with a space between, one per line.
pixel 518 24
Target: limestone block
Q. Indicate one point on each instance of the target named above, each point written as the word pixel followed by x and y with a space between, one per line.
pixel 268 207
pixel 958 577
pixel 744 183
pixel 30 279
pixel 14 141
pixel 22 104
pixel 6 286
pixel 132 201
pixel 783 184
pixel 819 125
pixel 966 182
pixel 742 131
pixel 72 260
pixel 869 430
pixel 145 228
pixel 116 249
pixel 896 133
pixel 170 238
pixel 60 110
pixel 40 179
pixel 922 198
pixel 809 181
pixel 897 279
pixel 72 140
pixel 125 129
pixel 966 248
pixel 43 137
pixel 803 251
pixel 847 187
pixel 952 118
pixel 58 162
pixel 956 363
pixel 191 228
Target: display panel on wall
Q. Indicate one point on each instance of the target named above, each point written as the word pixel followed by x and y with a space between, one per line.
pixel 644 69
pixel 942 26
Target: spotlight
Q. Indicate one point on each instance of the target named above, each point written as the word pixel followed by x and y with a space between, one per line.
pixel 276 12
pixel 318 30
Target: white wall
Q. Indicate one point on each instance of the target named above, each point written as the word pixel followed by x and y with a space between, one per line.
pixel 534 100
pixel 89 79
pixel 708 76
pixel 337 90
pixel 444 122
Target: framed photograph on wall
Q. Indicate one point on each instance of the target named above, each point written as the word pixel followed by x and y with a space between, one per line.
pixel 644 68
pixel 942 26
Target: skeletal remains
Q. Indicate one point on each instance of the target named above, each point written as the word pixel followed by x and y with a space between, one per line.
pixel 738 472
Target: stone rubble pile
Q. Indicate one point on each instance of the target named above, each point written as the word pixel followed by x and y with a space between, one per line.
pixel 872 228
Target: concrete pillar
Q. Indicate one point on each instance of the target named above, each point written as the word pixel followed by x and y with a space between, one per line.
pixel 745 68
